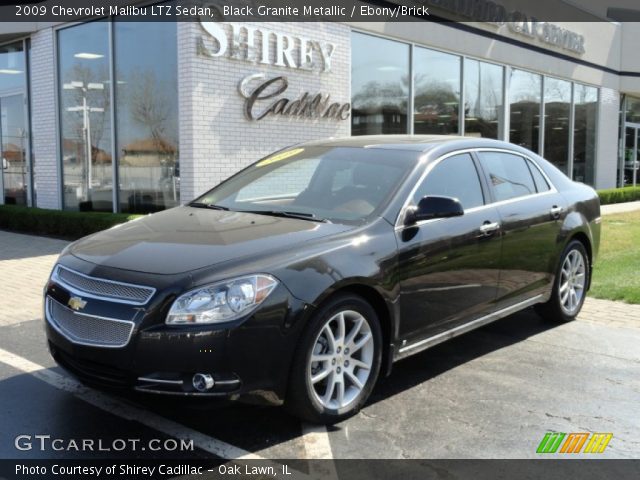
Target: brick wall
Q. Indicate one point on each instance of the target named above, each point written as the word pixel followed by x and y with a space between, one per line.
pixel 43 105
pixel 216 139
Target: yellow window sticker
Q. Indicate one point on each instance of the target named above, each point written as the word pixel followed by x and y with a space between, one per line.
pixel 279 156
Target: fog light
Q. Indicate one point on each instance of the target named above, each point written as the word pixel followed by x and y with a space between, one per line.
pixel 202 382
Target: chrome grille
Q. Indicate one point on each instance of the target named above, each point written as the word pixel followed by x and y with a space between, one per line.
pixel 105 289
pixel 88 329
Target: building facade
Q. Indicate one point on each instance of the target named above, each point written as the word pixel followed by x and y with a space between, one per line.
pixel 139 116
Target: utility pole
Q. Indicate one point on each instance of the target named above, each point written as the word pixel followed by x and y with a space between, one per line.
pixel 86 123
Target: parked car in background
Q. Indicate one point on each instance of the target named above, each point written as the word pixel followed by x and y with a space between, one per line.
pixel 302 278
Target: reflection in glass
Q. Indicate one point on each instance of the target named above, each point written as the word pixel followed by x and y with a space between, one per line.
pixel 436 78
pixel 85 117
pixel 380 85
pixel 629 113
pixel 557 105
pixel 584 146
pixel 631 157
pixel 483 99
pixel 13 130
pixel 524 95
pixel 632 110
pixel 147 115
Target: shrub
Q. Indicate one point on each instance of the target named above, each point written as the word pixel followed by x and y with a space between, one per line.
pixel 619 195
pixel 57 223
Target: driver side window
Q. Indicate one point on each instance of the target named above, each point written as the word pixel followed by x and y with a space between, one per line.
pixel 455 177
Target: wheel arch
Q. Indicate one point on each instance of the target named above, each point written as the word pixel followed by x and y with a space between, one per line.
pixel 385 315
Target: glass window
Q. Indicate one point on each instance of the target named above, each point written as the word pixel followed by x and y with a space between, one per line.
pixel 524 96
pixel 508 175
pixel 538 179
pixel 584 146
pixel 631 160
pixel 13 130
pixel 483 94
pixel 436 103
pixel 632 110
pixel 147 115
pixel 380 85
pixel 340 184
pixel 83 53
pixel 455 177
pixel 287 181
pixel 557 111
pixel 628 164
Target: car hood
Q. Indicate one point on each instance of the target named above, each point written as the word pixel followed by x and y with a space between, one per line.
pixel 187 238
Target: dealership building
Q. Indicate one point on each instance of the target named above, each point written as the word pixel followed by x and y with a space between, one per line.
pixel 107 115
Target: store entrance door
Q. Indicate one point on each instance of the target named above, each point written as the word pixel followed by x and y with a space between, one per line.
pixel 13 146
pixel 631 160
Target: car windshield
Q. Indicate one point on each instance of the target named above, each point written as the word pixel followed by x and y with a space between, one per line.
pixel 338 184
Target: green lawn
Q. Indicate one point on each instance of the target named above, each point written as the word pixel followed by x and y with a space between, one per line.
pixel 616 274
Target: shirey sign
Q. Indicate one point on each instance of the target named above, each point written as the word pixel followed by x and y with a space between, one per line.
pixel 264 96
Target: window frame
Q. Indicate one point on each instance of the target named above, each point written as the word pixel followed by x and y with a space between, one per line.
pixel 490 200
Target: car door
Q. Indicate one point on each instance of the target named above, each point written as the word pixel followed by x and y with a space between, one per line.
pixel 448 267
pixel 530 211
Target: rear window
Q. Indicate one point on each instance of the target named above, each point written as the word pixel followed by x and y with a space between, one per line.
pixel 539 180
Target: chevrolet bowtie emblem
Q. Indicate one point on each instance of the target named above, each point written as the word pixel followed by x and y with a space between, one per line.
pixel 76 303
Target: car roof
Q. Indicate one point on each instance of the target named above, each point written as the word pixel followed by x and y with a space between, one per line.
pixel 417 143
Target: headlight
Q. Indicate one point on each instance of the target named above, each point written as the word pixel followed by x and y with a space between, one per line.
pixel 221 302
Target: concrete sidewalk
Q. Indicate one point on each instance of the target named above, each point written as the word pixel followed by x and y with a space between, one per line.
pixel 619 208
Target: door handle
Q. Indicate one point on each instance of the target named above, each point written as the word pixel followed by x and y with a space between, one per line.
pixel 488 228
pixel 555 211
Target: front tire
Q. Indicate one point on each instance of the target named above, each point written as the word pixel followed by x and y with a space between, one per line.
pixel 337 362
pixel 570 286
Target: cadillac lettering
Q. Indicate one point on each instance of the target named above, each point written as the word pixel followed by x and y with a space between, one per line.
pixel 308 105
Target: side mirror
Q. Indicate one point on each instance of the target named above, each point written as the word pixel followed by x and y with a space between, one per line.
pixel 433 206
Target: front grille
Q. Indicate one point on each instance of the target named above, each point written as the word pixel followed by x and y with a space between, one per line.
pixel 101 288
pixel 87 329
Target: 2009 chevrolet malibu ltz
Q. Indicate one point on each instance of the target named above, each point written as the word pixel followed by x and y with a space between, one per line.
pixel 302 278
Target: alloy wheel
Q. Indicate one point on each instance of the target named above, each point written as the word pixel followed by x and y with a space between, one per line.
pixel 572 282
pixel 341 360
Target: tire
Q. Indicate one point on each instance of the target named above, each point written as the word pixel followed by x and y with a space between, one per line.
pixel 570 285
pixel 352 372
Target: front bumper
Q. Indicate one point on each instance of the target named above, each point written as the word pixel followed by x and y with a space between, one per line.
pixel 249 356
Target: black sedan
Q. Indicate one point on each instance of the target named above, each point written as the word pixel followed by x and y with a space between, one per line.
pixel 301 279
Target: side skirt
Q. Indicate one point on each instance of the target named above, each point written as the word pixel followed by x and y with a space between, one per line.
pixel 429 342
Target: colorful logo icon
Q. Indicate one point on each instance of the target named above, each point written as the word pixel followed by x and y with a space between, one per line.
pixel 556 442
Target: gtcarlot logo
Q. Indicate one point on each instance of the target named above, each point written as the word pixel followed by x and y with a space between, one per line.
pixel 573 442
pixel 46 443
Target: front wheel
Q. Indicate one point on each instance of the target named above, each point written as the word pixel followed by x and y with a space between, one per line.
pixel 570 286
pixel 337 362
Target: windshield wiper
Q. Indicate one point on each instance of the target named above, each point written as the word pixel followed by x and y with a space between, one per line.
pixel 280 213
pixel 207 205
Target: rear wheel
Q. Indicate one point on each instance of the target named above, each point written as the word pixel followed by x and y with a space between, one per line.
pixel 570 287
pixel 337 362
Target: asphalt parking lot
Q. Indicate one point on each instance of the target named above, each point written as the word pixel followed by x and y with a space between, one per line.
pixel 492 393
